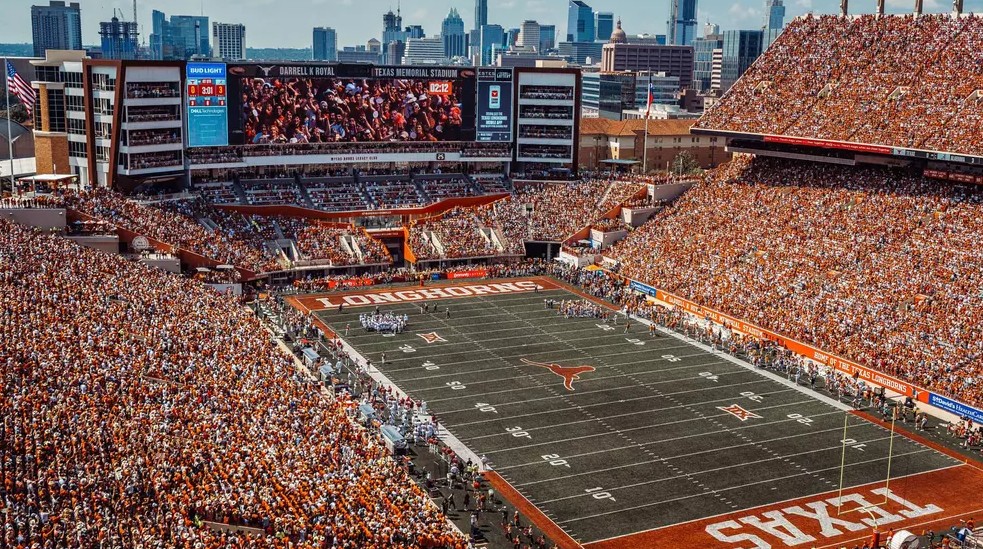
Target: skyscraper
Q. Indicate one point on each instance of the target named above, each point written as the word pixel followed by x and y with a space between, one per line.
pixel 325 44
pixel 703 49
pixel 229 41
pixel 604 25
pixel 492 38
pixel 56 27
pixel 547 37
pixel 580 22
pixel 480 14
pixel 741 48
pixel 392 27
pixel 454 37
pixel 774 14
pixel 179 38
pixel 415 31
pixel 119 39
pixel 682 22
pixel 529 35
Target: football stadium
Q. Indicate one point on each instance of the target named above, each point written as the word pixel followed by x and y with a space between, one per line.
pixel 352 305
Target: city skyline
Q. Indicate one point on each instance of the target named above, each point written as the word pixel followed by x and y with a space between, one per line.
pixel 357 26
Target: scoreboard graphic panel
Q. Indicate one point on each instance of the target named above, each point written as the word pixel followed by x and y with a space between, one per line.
pixel 206 99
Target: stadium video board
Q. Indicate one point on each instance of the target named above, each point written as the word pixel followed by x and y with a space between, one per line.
pixel 206 99
pixel 358 103
pixel 494 122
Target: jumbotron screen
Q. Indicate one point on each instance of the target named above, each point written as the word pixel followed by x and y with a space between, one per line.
pixel 350 104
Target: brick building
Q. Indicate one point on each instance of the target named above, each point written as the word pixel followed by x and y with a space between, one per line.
pixel 603 139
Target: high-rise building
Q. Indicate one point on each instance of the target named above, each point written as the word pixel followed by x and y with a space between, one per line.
pixel 392 27
pixel 511 37
pixel 325 44
pixel 453 35
pixel 672 60
pixel 492 38
pixel 56 27
pixel 547 37
pixel 359 54
pixel 774 14
pixel 740 49
pixel 603 25
pixel 415 31
pixel 682 22
pixel 394 53
pixel 480 14
pixel 180 38
pixel 710 29
pixel 229 41
pixel 703 49
pixel 424 51
pixel 580 22
pixel 529 36
pixel 119 39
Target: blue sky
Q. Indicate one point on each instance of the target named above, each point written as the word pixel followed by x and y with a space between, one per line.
pixel 288 23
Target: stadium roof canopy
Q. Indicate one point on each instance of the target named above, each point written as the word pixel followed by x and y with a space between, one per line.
pixel 620 162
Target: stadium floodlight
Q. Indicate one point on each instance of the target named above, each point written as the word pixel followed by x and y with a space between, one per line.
pixel 848 442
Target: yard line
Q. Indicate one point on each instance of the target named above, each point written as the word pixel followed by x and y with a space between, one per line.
pixel 634 385
pixel 546 374
pixel 618 431
pixel 676 439
pixel 512 367
pixel 755 483
pixel 711 450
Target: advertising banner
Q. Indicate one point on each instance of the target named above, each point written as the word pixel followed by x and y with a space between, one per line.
pixel 473 273
pixel 494 105
pixel 206 99
pixel 958 408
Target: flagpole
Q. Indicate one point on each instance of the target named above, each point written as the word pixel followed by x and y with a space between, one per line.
pixel 10 137
pixel 645 148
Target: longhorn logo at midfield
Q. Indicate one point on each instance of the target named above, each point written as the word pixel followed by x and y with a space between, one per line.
pixel 568 373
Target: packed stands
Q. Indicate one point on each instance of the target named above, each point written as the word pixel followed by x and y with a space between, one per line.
pixel 139 405
pixel 342 245
pixel 335 195
pixel 459 233
pixel 876 266
pixel 219 193
pixel 175 225
pixel 272 192
pixel 446 187
pixel 901 81
pixel 618 193
pixel 394 193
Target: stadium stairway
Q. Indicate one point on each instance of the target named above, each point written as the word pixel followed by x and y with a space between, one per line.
pixel 304 195
pixel 421 192
pixel 238 189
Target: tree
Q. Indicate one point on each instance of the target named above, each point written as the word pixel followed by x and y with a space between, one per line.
pixel 18 113
pixel 685 164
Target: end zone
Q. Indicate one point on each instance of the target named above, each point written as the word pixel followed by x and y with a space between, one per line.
pixel 408 294
pixel 915 502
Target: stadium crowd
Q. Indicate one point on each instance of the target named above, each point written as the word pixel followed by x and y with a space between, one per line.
pixel 332 110
pixel 458 231
pixel 139 405
pixel 174 223
pixel 812 80
pixel 875 266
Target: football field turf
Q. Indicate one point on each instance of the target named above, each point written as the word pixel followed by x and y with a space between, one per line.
pixel 611 434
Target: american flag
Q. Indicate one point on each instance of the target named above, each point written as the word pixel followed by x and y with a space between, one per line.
pixel 651 99
pixel 21 88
